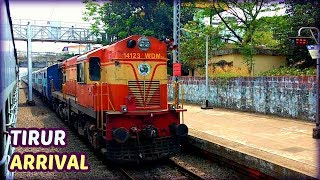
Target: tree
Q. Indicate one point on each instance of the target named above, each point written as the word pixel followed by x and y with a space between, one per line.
pixel 302 13
pixel 243 24
pixel 120 18
pixel 192 47
pixel 244 12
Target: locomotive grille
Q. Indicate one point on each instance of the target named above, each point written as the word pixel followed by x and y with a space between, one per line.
pixel 147 93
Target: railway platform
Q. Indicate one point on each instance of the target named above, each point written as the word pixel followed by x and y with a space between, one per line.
pixel 280 147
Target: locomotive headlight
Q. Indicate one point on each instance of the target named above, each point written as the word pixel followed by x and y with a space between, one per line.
pixel 124 109
pixel 144 43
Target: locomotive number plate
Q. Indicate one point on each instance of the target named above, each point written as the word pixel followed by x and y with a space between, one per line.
pixel 131 55
pixel 142 55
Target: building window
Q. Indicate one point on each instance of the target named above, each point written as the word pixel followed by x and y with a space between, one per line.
pixel 94 69
pixel 80 73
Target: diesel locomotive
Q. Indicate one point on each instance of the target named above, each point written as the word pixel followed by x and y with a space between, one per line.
pixel 116 96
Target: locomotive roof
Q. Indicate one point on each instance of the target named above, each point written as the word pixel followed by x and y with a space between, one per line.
pixel 85 55
pixel 122 46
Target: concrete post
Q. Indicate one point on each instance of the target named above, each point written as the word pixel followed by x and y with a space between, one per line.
pixel 207 59
pixel 206 105
pixel 29 50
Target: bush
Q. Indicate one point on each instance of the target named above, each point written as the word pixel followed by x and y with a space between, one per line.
pixel 289 71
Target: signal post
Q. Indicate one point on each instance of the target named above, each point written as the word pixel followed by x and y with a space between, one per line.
pixel 303 41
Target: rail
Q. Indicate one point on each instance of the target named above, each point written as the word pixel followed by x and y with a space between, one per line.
pixel 185 171
pixel 125 173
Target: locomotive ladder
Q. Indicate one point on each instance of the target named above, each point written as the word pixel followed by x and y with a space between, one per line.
pixel 100 112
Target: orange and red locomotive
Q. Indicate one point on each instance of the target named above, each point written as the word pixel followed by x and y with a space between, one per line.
pixel 116 96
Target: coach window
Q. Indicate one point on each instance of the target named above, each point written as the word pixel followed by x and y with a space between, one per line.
pixel 80 72
pixel 94 69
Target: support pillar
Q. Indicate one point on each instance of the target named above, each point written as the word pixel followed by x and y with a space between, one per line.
pixel 175 52
pixel 29 49
pixel 206 103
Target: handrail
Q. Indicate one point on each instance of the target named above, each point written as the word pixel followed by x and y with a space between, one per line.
pixel 176 93
pixel 11 120
pixel 15 106
pixel 101 106
pixel 12 117
pixel 4 157
pixel 182 94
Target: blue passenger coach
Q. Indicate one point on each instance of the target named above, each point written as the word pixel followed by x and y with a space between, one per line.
pixel 8 88
pixel 54 80
pixel 47 80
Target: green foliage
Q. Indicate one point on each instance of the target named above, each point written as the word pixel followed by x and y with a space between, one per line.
pixel 302 14
pixel 273 33
pixel 248 51
pixel 120 18
pixel 64 56
pixel 193 43
pixel 245 26
pixel 245 30
pixel 289 71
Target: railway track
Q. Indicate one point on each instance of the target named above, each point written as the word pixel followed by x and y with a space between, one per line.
pixel 186 169
pixel 41 117
pixel 170 169
pixel 96 160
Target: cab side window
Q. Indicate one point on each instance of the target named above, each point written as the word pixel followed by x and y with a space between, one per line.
pixel 80 72
pixel 94 69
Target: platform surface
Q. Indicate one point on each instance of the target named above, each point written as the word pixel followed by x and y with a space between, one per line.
pixel 282 141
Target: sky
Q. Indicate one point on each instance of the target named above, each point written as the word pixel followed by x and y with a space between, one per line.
pixel 64 11
pixel 70 11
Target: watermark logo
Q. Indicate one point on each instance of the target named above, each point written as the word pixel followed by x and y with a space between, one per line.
pixel 144 69
pixel 42 161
